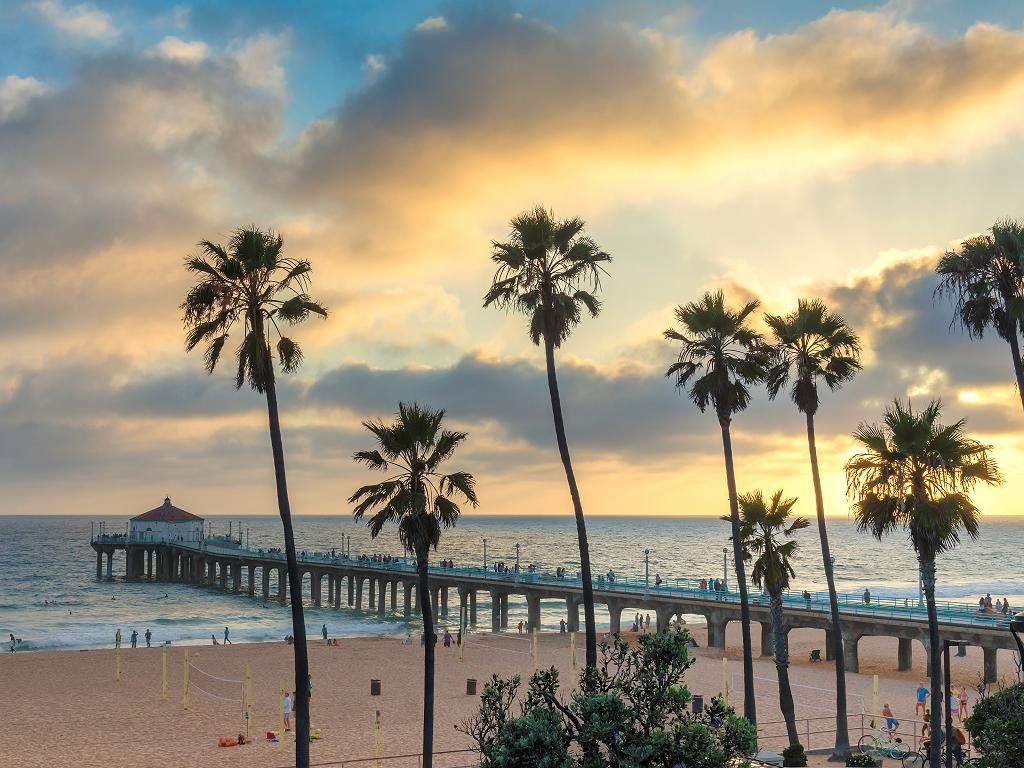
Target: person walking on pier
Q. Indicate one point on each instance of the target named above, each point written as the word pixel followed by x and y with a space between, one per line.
pixel 149 637
pixel 227 640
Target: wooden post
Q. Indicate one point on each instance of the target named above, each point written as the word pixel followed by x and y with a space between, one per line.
pixel 874 699
pixel 536 651
pixel 248 700
pixel 117 662
pixel 163 673
pixel 725 679
pixel 184 695
pixel 572 648
pixel 377 739
pixel 280 709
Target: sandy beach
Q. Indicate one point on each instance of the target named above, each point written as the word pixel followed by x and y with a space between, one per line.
pixel 66 709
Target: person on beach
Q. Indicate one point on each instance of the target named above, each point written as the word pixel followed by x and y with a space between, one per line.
pixel 561 626
pixel 214 639
pixel 287 712
pixel 922 700
pixel 309 686
pixel 891 723
pixel 867 596
pixel 227 640
pixel 520 626
pixel 14 643
pixel 954 704
pixel 447 638
pixel 117 638
pixel 135 638
pixel 963 704
pixel 149 637
pixel 323 631
pixel 647 622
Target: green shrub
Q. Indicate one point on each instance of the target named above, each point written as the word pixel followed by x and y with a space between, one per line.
pixel 794 756
pixel 860 760
pixel 632 710
pixel 997 728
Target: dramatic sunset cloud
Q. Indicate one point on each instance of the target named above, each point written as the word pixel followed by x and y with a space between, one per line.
pixel 835 154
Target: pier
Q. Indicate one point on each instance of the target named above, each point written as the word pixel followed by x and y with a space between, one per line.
pixel 336 581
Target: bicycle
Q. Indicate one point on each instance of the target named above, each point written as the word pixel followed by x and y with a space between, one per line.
pixel 919 759
pixel 885 744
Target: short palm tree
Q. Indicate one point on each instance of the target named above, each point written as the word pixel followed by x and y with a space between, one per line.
pixel 419 499
pixel 915 474
pixel 985 278
pixel 814 345
pixel 549 271
pixel 766 531
pixel 719 358
pixel 250 284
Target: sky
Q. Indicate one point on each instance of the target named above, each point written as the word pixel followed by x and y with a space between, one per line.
pixel 774 150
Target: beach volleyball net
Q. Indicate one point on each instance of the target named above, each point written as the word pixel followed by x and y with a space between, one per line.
pixel 217 688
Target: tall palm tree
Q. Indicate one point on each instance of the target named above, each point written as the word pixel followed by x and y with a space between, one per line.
pixel 251 284
pixel 916 474
pixel 549 271
pixel 720 357
pixel 418 498
pixel 985 279
pixel 810 345
pixel 766 530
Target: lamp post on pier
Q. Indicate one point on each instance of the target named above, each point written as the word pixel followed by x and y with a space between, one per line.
pixel 725 569
pixel 485 554
pixel 517 561
pixel 647 570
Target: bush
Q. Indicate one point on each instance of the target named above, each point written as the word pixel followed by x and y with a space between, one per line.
pixel 794 756
pixel 997 728
pixel 630 711
pixel 860 760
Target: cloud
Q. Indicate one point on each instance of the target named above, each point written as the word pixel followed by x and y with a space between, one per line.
pixel 177 49
pixel 432 23
pixel 15 94
pixel 81 20
pixel 259 61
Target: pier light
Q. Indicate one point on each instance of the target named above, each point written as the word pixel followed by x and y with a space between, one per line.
pixel 725 568
pixel 647 570
pixel 517 560
pixel 485 553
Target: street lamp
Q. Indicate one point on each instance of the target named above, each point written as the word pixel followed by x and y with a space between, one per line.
pixel 517 561
pixel 725 569
pixel 647 570
pixel 485 554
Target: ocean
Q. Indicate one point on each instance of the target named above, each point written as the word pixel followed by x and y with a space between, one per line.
pixel 51 599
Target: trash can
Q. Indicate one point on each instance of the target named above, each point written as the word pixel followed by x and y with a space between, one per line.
pixel 375 687
pixel 697 704
pixel 471 686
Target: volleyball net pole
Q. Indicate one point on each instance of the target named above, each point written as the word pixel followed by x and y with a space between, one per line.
pixel 184 687
pixel 535 649
pixel 117 662
pixel 725 679
pixel 377 741
pixel 248 700
pixel 572 648
pixel 280 707
pixel 163 673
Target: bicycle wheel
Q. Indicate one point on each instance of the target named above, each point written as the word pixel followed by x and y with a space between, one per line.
pixel 868 745
pixel 914 760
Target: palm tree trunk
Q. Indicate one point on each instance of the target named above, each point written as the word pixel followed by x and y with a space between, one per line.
pixel 426 608
pixel 842 746
pixel 1018 366
pixel 581 524
pixel 934 662
pixel 294 584
pixel 780 644
pixel 749 706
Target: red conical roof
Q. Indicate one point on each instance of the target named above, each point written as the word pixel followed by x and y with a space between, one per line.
pixel 167 513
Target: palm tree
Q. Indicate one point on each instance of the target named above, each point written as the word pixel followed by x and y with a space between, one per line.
pixel 251 284
pixel 549 270
pixel 721 355
pixel 985 278
pixel 417 497
pixel 766 531
pixel 916 474
pixel 810 345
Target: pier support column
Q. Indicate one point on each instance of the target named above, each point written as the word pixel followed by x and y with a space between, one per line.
pixel 282 585
pixel 435 597
pixel 830 654
pixel 236 581
pixel 351 591
pixel 533 612
pixel 110 564
pixel 463 605
pixel 495 612
pixel 394 596
pixel 416 598
pixel 382 597
pixel 266 583
pixel 359 593
pixel 444 600
pixel 989 664
pixel 99 564
pixel 716 630
pixel 850 652
pixel 371 602
pixel 767 644
pixel 472 606
pixel 614 616
pixel 224 565
pixel 407 587
pixel 316 579
pixel 904 654
pixel 572 608
pixel 251 586
pixel 665 615
pixel 504 611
